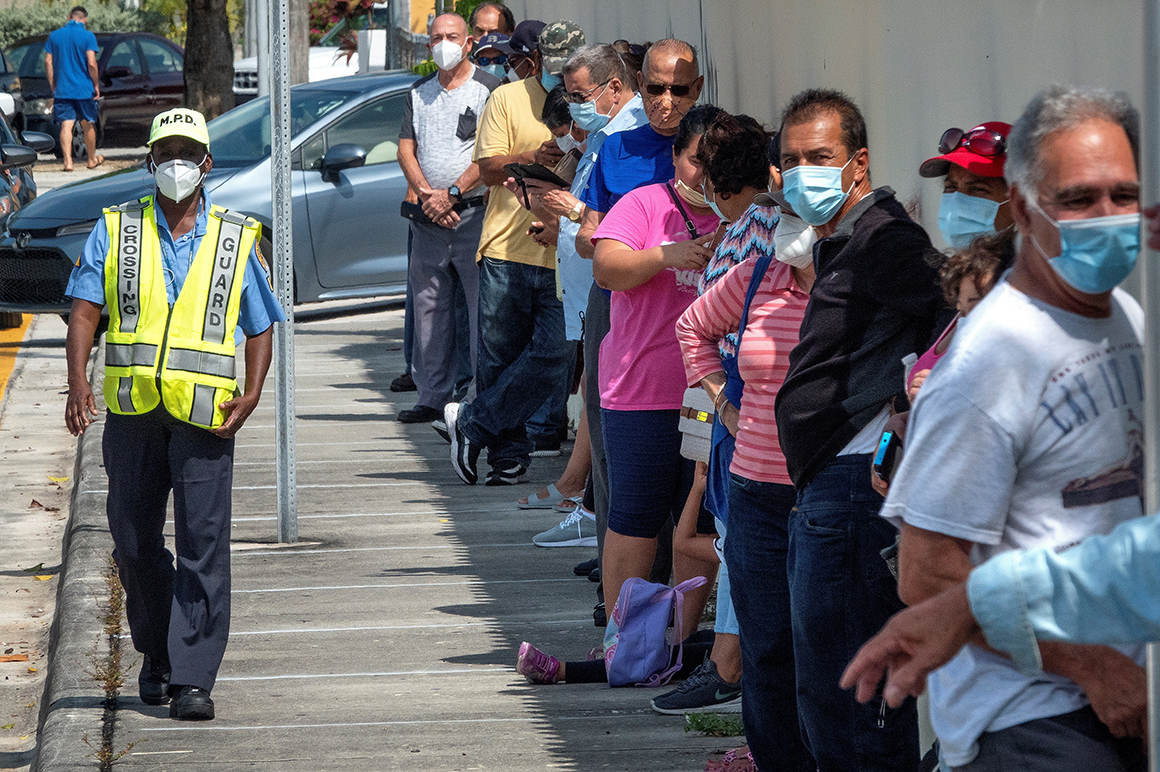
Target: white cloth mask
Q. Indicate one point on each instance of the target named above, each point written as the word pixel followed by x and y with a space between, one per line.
pixel 568 142
pixel 177 180
pixel 446 54
pixel 793 241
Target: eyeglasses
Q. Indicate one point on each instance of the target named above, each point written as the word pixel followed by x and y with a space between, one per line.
pixel 580 97
pixel 658 89
pixel 979 141
pixel 487 61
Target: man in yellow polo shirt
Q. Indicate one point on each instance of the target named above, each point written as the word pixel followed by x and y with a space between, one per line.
pixel 523 354
pixel 183 281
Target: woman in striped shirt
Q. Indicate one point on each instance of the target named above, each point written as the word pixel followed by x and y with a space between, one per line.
pixel 760 494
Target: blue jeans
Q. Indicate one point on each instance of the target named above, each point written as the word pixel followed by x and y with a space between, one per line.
pixel 522 356
pixel 841 594
pixel 755 551
pixel 549 423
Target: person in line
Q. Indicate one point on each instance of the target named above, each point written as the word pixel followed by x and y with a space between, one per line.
pixel 436 141
pixel 769 299
pixel 975 198
pixel 1022 437
pixel 627 160
pixel 650 252
pixel 874 300
pixel 70 65
pixel 522 351
pixel 490 19
pixel 489 56
pixel 183 281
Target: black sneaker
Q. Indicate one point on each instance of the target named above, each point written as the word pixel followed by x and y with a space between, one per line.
pixel 404 383
pixel 464 455
pixel 599 615
pixel 420 414
pixel 585 568
pixel 507 473
pixel 153 681
pixel 191 704
pixel 702 692
pixel 546 448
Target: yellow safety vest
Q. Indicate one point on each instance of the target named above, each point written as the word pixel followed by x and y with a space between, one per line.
pixel 182 356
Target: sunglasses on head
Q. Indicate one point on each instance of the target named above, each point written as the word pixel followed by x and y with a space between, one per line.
pixel 658 89
pixel 487 61
pixel 979 141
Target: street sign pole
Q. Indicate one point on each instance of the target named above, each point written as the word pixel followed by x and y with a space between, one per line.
pixel 283 261
pixel 1150 300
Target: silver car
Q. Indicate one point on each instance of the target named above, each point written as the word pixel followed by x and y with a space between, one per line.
pixel 349 239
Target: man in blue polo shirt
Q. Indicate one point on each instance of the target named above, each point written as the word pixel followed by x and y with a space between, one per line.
pixel 70 62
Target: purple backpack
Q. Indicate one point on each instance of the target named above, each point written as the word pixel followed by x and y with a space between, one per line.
pixel 637 643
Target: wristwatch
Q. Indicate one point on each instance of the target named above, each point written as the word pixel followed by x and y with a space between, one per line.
pixel 454 192
pixel 574 214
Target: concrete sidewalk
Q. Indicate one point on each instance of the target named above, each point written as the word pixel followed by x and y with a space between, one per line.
pixel 384 639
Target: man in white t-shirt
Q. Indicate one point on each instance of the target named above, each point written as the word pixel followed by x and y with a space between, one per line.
pixel 1028 434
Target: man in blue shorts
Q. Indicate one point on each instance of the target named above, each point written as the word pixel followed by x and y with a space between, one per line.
pixel 70 61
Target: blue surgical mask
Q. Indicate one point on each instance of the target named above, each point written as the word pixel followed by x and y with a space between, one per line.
pixel 963 218
pixel 586 116
pixel 498 70
pixel 1095 254
pixel 550 81
pixel 815 192
pixel 712 202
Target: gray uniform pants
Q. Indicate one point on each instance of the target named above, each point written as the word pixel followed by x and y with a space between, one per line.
pixel 181 614
pixel 441 259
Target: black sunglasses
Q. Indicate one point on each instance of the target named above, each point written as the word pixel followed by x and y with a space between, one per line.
pixel 658 89
pixel 979 141
pixel 487 61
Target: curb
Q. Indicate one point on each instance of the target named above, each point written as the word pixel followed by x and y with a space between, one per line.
pixel 73 702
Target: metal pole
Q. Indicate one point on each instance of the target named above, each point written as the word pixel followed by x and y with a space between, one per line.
pixel 263 7
pixel 1150 300
pixel 282 210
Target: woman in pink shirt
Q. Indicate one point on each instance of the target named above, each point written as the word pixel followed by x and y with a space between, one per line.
pixel 760 494
pixel 650 251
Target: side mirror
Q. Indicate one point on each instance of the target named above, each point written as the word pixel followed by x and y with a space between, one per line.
pixel 7 104
pixel 119 71
pixel 15 156
pixel 38 141
pixel 339 157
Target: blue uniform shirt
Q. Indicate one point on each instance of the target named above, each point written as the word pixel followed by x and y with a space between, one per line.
pixel 627 161
pixel 259 308
pixel 70 65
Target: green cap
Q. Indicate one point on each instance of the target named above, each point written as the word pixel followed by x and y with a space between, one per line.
pixel 558 41
pixel 181 123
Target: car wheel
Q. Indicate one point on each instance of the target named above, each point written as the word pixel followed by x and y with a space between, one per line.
pixel 10 320
pixel 79 151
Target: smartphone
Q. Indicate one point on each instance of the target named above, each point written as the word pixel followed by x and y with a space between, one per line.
pixel 886 458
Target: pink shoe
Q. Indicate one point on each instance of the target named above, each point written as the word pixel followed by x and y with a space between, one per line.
pixel 536 666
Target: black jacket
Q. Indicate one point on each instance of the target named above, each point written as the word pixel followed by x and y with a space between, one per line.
pixel 875 299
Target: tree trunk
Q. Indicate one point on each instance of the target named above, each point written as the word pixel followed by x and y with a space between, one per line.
pixel 299 41
pixel 209 58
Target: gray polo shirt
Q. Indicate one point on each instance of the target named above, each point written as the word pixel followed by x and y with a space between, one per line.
pixel 443 124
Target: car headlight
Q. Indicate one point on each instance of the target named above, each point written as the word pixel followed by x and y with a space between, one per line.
pixel 38 107
pixel 80 228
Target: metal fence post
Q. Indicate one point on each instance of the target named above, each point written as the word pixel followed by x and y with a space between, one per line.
pixel 283 260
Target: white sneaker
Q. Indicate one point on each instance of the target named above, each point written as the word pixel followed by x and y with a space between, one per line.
pixel 576 530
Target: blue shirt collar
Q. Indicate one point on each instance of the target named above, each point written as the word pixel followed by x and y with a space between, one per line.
pixel 200 225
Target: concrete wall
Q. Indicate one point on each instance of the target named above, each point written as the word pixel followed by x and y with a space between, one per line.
pixel 915 67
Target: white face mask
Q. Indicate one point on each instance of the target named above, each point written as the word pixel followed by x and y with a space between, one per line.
pixel 446 54
pixel 793 241
pixel 177 180
pixel 568 142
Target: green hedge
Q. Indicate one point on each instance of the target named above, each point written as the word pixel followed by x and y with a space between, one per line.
pixel 17 23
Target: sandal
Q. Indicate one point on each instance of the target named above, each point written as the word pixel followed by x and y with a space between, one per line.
pixel 568 505
pixel 736 760
pixel 534 501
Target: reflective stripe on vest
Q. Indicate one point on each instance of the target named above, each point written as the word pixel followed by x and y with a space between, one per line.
pixel 129 270
pixel 130 355
pixel 202 362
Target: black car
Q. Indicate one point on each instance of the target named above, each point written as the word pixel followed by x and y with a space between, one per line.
pixel 140 75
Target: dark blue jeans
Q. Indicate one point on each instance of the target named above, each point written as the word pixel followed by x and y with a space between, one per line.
pixel 841 593
pixel 755 551
pixel 522 356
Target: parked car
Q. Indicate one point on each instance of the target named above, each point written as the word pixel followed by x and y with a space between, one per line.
pixel 349 240
pixel 10 84
pixel 140 75
pixel 325 60
pixel 17 186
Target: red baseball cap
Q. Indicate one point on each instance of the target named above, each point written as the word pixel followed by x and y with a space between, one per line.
pixel 982 165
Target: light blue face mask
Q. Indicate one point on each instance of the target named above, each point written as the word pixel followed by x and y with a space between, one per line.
pixel 963 218
pixel 586 116
pixel 815 192
pixel 549 81
pixel 1095 254
pixel 498 70
pixel 712 202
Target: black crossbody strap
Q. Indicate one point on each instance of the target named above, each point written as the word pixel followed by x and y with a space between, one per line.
pixel 681 208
